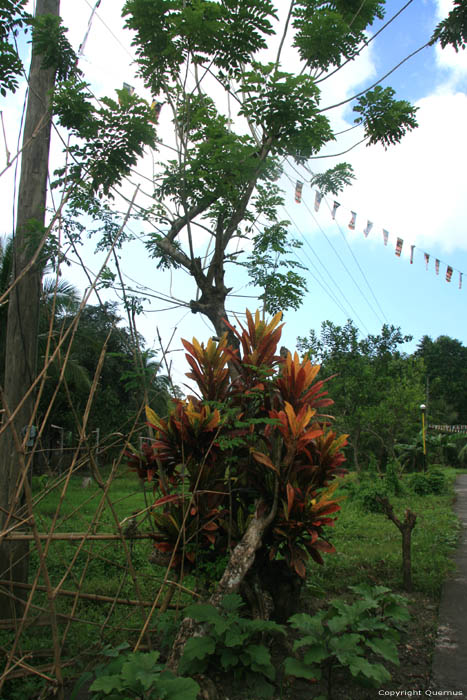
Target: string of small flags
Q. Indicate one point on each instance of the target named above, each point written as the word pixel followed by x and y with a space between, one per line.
pixel 368 228
pixel 155 106
pixel 449 428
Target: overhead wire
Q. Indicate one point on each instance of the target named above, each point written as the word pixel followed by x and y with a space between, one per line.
pixel 342 262
pixel 323 284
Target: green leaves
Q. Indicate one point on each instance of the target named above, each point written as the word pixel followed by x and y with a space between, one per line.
pixel 285 107
pixel 114 137
pixel 453 29
pixel 231 641
pixel 50 41
pixel 139 675
pixel 12 18
pixel 385 120
pixel 330 32
pixel 343 634
pixel 333 180
pixel 228 34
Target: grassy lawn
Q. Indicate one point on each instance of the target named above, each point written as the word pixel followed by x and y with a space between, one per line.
pixel 369 546
pixel 368 549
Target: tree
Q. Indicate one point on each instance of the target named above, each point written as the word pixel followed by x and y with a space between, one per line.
pixel 128 130
pixel 236 119
pixel 124 381
pixel 377 389
pixel 445 361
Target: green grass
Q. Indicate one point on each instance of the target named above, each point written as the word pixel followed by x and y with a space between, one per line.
pixel 369 546
pixel 368 549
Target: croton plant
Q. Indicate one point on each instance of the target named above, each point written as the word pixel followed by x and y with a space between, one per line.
pixel 254 434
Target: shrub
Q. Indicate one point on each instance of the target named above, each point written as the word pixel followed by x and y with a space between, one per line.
pixel 136 675
pixel 346 634
pixel 368 495
pixel 433 481
pixel 392 481
pixel 437 481
pixel 256 439
pixel 231 643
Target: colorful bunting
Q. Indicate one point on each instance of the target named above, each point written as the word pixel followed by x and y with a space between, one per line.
pixel 298 191
pixel 318 198
pixel 368 228
pixel 129 88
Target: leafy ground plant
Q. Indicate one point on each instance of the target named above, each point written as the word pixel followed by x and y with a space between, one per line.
pixel 231 644
pixel 136 675
pixel 346 634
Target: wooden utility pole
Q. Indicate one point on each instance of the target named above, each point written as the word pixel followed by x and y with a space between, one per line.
pixel 23 310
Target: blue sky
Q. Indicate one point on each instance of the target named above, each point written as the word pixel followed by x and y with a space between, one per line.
pixel 415 190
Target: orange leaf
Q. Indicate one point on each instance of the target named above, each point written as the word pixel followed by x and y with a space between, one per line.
pixel 263 459
pixel 290 498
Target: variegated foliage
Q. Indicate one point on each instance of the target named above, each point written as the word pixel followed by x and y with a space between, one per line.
pixel 255 427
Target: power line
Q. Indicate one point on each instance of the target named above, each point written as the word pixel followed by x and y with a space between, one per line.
pixel 341 260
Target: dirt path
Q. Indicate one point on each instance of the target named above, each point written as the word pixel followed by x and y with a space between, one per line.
pixel 450 655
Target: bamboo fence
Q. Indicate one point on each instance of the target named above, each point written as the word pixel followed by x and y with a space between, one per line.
pixel 55 606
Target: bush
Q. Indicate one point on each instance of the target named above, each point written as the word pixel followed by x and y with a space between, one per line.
pixel 347 634
pixel 392 481
pixel 368 495
pixel 433 481
pixel 437 480
pixel 231 643
pixel 137 674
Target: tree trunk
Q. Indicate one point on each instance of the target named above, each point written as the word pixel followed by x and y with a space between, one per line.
pixel 23 305
pixel 405 528
pixel 241 560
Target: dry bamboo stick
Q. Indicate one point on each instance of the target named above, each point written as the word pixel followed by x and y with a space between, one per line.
pixel 89 596
pixel 74 536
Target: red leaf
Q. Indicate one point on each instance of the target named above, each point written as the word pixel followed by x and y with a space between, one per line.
pixel 325 546
pixel 166 499
pixel 163 546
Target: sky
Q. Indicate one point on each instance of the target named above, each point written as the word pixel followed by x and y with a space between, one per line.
pixel 415 190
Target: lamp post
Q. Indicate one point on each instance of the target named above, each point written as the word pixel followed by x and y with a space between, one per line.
pixel 423 410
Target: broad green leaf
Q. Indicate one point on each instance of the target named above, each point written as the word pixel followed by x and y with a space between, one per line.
pixel 385 648
pixel 233 637
pixel 178 688
pixel 308 624
pixel 198 648
pixel 375 672
pixel 107 684
pixel 316 653
pixel 297 668
pixel 307 640
pixel 229 658
pixel 203 612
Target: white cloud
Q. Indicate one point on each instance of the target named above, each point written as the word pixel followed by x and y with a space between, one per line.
pixel 417 188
